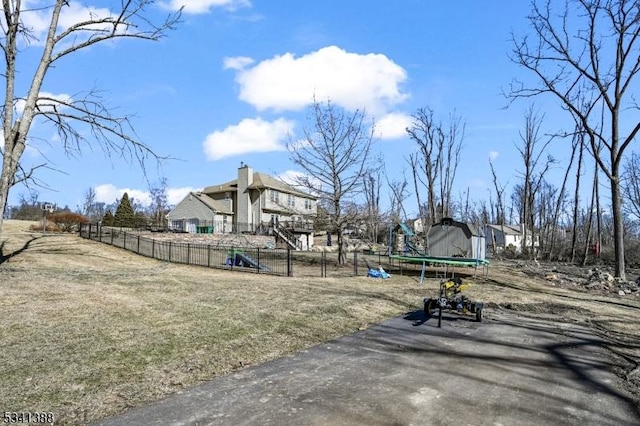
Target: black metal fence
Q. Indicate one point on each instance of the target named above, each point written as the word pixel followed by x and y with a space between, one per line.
pixel 283 262
pixel 259 260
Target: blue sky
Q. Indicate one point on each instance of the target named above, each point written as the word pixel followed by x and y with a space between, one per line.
pixel 235 79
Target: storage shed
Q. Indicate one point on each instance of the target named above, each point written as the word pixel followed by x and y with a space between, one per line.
pixel 451 238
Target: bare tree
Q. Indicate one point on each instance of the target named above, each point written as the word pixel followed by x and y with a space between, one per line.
pixel 435 164
pixel 499 212
pixel 450 148
pixel 159 205
pixel 334 156
pixel 631 186
pixel 90 208
pixel 585 54
pixel 532 151
pixel 398 194
pixel 576 195
pixel 70 116
pixel 371 184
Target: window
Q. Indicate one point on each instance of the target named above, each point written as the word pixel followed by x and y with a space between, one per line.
pixel 274 196
pixel 308 205
pixel 291 200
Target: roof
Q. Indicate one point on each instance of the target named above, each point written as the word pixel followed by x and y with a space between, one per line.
pixel 468 228
pixel 260 181
pixel 508 229
pixel 216 205
pixel 224 187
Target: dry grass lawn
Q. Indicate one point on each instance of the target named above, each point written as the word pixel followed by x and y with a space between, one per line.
pixel 89 330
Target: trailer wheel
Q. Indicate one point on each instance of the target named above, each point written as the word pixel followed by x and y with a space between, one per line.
pixel 428 307
pixel 479 314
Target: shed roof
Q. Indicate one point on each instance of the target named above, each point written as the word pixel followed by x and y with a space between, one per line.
pixel 469 228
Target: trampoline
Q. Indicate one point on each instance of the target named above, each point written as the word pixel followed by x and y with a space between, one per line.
pixel 438 260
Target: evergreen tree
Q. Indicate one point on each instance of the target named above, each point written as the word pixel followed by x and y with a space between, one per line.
pixel 125 215
pixel 107 219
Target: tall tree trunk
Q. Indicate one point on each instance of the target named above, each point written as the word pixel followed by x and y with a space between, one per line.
pixel 576 202
pixel 559 202
pixel 594 200
pixel 618 228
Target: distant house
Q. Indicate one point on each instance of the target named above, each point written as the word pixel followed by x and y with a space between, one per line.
pixel 499 236
pixel 416 225
pixel 252 203
pixel 450 238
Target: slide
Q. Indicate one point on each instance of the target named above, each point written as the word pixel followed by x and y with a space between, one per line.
pixel 414 249
pixel 249 261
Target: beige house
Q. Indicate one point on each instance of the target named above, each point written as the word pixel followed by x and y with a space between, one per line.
pixel 253 203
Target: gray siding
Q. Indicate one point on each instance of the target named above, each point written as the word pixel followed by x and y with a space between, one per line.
pixel 455 240
pixel 191 208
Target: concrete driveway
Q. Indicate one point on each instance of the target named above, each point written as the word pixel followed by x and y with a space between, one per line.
pixel 507 370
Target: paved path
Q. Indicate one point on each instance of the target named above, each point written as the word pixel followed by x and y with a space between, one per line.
pixel 507 370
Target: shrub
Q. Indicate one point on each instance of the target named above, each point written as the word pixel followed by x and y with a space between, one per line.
pixel 67 221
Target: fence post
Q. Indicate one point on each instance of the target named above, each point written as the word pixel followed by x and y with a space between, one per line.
pixel 169 251
pixel 153 248
pixel 111 236
pixel 258 256
pixel 355 263
pixel 188 253
pixel 138 251
pixel 289 262
pixel 100 237
pixel 124 240
pixel 208 255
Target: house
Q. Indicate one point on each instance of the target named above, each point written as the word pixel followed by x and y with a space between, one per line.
pixel 198 213
pixel 253 203
pixel 499 236
pixel 450 238
pixel 505 236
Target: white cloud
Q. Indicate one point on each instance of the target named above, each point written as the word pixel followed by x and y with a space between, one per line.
pixel 350 80
pixel 45 104
pixel 175 195
pixel 250 135
pixel 393 126
pixel 108 193
pixel 203 6
pixel 290 176
pixel 237 63
pixel 493 155
pixel 36 17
